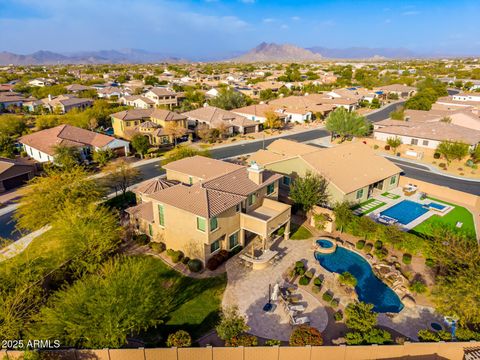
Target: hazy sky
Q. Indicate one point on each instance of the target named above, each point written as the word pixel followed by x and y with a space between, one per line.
pixel 202 28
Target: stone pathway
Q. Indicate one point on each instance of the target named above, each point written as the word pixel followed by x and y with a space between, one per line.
pixel 248 289
pixel 365 208
pixel 391 196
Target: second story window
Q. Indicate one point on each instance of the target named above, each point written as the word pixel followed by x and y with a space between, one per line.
pixel 213 224
pixel 286 180
pixel 200 224
pixel 161 215
pixel 270 189
pixel 252 198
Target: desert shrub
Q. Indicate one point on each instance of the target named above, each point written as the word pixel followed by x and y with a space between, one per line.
pixel 338 315
pixel 242 340
pixel 387 147
pixel 442 165
pixel 407 259
pixel 347 279
pixel 170 252
pixel 360 244
pixel 213 263
pixel 316 289
pixel 185 260
pixel 334 302
pixel 444 335
pixel 430 262
pixel 378 245
pixel 141 239
pixel 157 247
pixel 418 287
pixel 305 335
pixel 368 247
pixel 375 147
pixel 465 334
pixel 309 274
pixel 381 254
pixel 426 335
pixel 436 155
pixel 176 256
pixel 317 281
pixel 327 296
pixel 195 265
pixel 180 338
pixel 299 265
pixel 304 280
pixel 273 342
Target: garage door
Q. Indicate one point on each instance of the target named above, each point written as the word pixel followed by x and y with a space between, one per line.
pixel 15 181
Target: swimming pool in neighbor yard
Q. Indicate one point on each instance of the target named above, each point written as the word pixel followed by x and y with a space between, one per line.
pixel 405 211
pixel 370 289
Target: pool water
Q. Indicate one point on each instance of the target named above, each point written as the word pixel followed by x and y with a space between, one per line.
pixel 326 244
pixel 437 206
pixel 370 289
pixel 405 211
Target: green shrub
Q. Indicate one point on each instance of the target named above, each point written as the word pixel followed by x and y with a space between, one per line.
pixel 338 315
pixel 141 239
pixel 304 280
pixel 213 263
pixel 465 334
pixel 157 247
pixel 444 335
pixel 180 338
pixel 327 296
pixel 360 244
pixel 273 342
pixel 300 271
pixel 381 254
pixel 426 335
pixel 170 252
pixel 309 274
pixel 176 256
pixel 430 262
pixel 378 245
pixel 347 279
pixel 317 281
pixel 299 265
pixel 316 289
pixel 334 303
pixel 368 247
pixel 195 265
pixel 418 287
pixel 375 147
pixel 407 259
pixel 436 155
pixel 185 260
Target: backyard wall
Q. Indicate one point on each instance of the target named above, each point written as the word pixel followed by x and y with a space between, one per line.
pixel 470 201
pixel 408 350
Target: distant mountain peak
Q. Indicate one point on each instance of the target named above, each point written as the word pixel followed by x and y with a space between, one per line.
pixel 264 52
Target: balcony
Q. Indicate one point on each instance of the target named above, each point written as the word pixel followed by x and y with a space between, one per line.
pixel 265 219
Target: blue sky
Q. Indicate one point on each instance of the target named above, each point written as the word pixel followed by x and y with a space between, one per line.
pixel 206 28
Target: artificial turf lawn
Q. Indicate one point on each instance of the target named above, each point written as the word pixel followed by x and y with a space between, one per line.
pixel 300 233
pixel 457 214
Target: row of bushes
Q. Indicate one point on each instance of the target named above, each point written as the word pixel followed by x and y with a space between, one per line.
pixel 381 252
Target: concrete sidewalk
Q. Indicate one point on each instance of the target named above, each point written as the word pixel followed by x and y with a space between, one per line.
pixel 21 244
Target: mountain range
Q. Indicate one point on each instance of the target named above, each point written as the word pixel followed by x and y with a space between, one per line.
pixel 264 52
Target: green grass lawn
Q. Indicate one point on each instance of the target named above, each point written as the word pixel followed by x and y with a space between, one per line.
pixel 299 232
pixel 458 214
pixel 391 196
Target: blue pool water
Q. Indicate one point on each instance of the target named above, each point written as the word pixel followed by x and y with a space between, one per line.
pixel 436 206
pixel 326 244
pixel 370 289
pixel 405 211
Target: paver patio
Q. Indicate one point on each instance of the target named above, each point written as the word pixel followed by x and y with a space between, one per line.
pixel 248 289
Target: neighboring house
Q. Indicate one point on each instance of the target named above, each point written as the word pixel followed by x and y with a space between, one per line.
pixel 259 112
pixel 41 82
pixel 467 97
pixel 110 92
pixel 402 91
pixel 149 122
pixel 353 171
pixel 212 93
pixel 216 205
pixel 162 96
pixel 137 101
pixel 59 104
pixel 41 145
pixel 77 88
pixel 426 134
pixel 302 108
pixel 215 118
pixel 461 102
pixel 11 99
pixel 14 173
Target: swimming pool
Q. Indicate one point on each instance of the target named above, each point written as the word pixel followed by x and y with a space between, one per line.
pixel 370 289
pixel 436 206
pixel 324 243
pixel 405 211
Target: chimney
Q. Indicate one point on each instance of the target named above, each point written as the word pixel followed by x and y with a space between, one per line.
pixel 255 173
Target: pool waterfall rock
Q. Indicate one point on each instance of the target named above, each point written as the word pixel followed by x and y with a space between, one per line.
pixel 370 288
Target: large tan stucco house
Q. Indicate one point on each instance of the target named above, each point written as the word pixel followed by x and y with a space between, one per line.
pixel 353 171
pixel 151 123
pixel 205 205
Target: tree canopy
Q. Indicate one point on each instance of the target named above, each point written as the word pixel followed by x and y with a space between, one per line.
pixel 309 191
pixel 229 99
pixel 182 152
pixel 345 124
pixel 453 150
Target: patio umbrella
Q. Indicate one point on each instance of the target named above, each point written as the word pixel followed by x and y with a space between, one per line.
pixel 276 289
